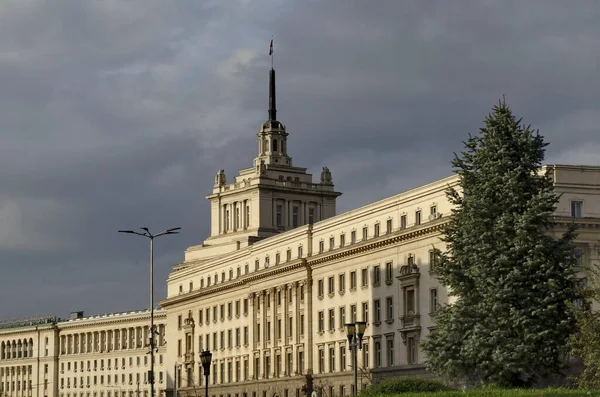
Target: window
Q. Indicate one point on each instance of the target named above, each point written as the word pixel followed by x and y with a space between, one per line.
pixel 403 222
pixel 342 240
pixel 331 319
pixel 389 273
pixel 388 226
pixel 352 313
pixel 331 243
pixel 245 335
pixel 279 215
pixel 179 321
pixel 321 317
pixel 409 308
pixel 364 281
pixel 365 311
pixel 266 262
pixel 288 255
pixel 200 316
pixel 245 306
pixel 433 212
pixel 342 316
pixel 376 230
pixel 377 353
pixel 353 280
pixel 376 275
pixel 342 359
pixel 275 145
pixel 295 210
pixel 390 352
pixel 237 308
pixel 301 325
pixel 365 233
pixel 576 209
pixel 331 359
pixel 342 282
pixel 411 350
pixel 300 252
pixel 353 237
pixel 578 256
pixel 321 360
pixel 417 217
pixel 432 260
pixel 389 308
pixel 256 265
pixel 321 246
pixel 311 216
pixel 320 288
pixel 331 285
pixel 365 356
pixel 433 300
pixel 376 311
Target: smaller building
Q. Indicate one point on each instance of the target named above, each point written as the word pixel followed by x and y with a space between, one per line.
pixel 97 356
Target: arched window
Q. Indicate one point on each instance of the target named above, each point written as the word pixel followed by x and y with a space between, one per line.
pixel 25 348
pixel 30 347
pixel 266 145
pixel 2 351
pixel 274 145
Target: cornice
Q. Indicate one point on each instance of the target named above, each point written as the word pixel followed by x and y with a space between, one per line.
pixel 94 322
pixel 586 222
pixel 383 241
pixel 242 282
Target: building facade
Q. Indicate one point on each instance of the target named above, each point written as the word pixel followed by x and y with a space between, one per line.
pixel 270 290
pixel 97 356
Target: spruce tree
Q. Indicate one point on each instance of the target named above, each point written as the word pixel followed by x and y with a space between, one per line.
pixel 512 280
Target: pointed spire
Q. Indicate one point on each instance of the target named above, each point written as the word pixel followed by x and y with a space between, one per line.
pixel 272 101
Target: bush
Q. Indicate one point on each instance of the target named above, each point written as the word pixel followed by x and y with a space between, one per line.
pixel 404 385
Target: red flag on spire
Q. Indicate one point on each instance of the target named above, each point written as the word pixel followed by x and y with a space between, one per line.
pixel 271 48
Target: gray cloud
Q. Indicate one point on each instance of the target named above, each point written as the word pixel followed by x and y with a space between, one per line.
pixel 117 115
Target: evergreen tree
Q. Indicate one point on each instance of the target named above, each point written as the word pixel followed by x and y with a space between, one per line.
pixel 513 281
pixel 585 342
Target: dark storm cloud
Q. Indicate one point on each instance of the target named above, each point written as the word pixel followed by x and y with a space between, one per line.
pixel 117 115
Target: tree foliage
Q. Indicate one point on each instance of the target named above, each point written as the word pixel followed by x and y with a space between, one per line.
pixel 585 342
pixel 512 280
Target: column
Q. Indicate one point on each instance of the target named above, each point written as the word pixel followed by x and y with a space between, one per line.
pixel 263 320
pixel 285 314
pixel 309 326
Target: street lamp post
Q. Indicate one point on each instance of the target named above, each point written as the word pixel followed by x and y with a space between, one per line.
pixel 205 359
pixel 355 332
pixel 151 236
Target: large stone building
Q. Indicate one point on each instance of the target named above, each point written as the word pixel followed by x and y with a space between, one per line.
pixel 270 290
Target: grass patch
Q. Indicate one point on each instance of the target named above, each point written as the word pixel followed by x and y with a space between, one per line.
pixel 551 392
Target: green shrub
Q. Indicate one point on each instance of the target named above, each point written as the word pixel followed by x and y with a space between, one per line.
pixel 404 385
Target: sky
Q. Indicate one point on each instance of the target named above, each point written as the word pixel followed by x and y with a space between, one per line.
pixel 118 114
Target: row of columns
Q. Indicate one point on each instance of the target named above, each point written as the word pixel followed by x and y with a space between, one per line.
pixel 265 315
pixel 106 341
pixel 16 349
pixel 235 216
pixel 288 212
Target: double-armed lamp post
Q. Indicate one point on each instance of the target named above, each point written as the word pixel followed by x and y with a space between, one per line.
pixel 146 233
pixel 355 332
